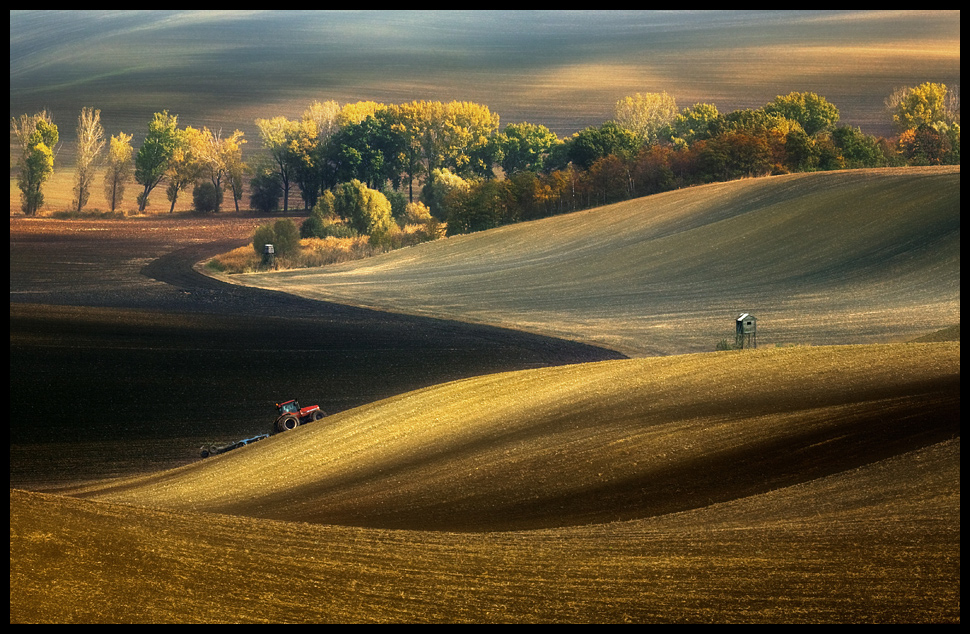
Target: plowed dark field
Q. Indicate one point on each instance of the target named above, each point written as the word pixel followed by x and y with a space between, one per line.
pixel 124 359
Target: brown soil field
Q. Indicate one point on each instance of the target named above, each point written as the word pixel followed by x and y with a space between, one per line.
pixel 471 473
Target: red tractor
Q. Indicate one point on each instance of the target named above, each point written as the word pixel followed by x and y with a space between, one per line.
pixel 291 415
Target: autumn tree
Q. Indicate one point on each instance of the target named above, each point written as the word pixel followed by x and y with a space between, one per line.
pixel 184 166
pixel 929 104
pixel 278 136
pixel 467 146
pixel 36 138
pixel 609 179
pixel 90 142
pixel 645 114
pixel 308 144
pixel 814 113
pixel 407 121
pixel 118 171
pixel 232 161
pixel 457 136
pixel 353 113
pixel 152 160
pixel 218 160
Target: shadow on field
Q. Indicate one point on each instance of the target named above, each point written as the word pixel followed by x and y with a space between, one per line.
pixel 111 350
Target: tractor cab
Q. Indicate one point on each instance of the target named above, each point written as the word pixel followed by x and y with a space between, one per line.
pixel 289 407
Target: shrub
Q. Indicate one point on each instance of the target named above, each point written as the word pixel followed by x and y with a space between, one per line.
pixel 287 238
pixel 282 234
pixel 264 234
pixel 265 191
pixel 312 227
pixel 439 185
pixel 416 214
pixel 206 197
pixel 366 210
pixel 318 226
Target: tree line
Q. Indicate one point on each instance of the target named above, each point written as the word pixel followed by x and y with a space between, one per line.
pixel 472 174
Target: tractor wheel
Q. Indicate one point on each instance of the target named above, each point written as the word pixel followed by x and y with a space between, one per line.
pixel 287 423
pixel 317 415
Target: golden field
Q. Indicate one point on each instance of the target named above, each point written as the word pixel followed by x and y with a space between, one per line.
pixel 644 490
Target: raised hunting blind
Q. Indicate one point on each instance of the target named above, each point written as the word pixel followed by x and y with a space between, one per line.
pixel 746 331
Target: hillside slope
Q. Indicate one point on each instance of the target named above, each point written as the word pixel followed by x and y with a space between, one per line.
pixel 824 258
pixel 879 544
pixel 581 444
pixel 823 488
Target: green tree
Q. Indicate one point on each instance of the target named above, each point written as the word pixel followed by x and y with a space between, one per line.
pixel 645 114
pixel 366 210
pixel 36 137
pixel 205 197
pixel 287 237
pixel 265 190
pixel 592 144
pixel 263 235
pixel 814 113
pixel 439 184
pixel 152 161
pixel 692 124
pixel 370 151
pixel 481 206
pixel 859 149
pixel 118 171
pixel 802 153
pixel 524 146
pixel 90 142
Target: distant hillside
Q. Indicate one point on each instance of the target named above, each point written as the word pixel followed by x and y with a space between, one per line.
pixel 822 258
pixel 562 69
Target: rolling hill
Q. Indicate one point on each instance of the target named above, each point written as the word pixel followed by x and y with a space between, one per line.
pixel 582 444
pixel 662 490
pixel 822 258
pixel 808 483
